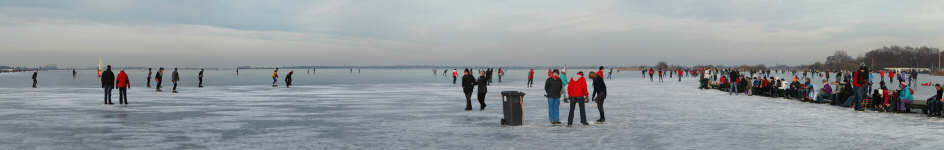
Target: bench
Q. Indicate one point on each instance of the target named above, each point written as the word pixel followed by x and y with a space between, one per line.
pixel 918 104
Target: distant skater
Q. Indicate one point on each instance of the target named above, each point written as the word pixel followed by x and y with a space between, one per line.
pixel 501 73
pixel 108 83
pixel 74 74
pixel 483 89
pixel 288 79
pixel 644 73
pixel 237 71
pixel 468 82
pixel 174 77
pixel 200 77
pixel 651 71
pixel 35 74
pixel 679 75
pixel 159 77
pixel 148 79
pixel 454 75
pixel 531 77
pixel 488 74
pixel 577 91
pixel 275 78
pixel 610 74
pixel 661 73
pixel 123 85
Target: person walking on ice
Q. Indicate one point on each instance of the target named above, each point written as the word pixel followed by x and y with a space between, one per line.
pixel 275 78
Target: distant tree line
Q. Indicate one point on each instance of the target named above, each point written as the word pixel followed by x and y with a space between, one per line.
pixel 885 57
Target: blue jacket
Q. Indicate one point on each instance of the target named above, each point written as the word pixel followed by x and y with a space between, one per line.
pixel 905 95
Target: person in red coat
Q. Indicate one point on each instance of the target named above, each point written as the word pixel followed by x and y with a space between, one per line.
pixel 531 78
pixel 577 91
pixel 123 85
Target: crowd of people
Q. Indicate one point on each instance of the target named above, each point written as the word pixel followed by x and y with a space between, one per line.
pixel 853 89
pixel 557 87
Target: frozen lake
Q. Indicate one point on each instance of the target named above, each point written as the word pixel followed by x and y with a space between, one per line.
pixel 413 109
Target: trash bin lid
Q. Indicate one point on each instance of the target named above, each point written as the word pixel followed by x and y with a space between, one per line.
pixel 512 93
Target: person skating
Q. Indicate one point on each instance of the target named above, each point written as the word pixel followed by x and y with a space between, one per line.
pixel 488 74
pixel 200 77
pixel 148 79
pixel 455 75
pixel 531 77
pixel 577 92
pixel 661 73
pixel 553 87
pixel 74 74
pixel 599 94
pixel 501 73
pixel 108 83
pixel 174 77
pixel 288 79
pixel 123 85
pixel 680 75
pixel 643 73
pixel 275 78
pixel 651 72
pixel 483 89
pixel 159 78
pixel 468 82
pixel 35 75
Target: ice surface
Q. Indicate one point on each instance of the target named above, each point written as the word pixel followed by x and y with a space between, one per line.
pixel 423 111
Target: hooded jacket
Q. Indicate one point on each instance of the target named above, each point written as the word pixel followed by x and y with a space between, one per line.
pixel 577 88
pixel 122 81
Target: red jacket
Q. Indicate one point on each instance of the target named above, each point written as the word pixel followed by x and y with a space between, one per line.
pixel 531 74
pixel 122 80
pixel 855 79
pixel 577 88
pixel 600 73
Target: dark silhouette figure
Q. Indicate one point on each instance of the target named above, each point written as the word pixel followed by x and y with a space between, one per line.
pixel 108 83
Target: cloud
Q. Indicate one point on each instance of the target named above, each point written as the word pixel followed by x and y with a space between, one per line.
pixel 497 32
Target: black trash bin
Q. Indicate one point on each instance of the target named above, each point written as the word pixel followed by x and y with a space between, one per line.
pixel 513 108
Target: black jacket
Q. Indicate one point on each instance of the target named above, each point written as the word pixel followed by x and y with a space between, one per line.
pixel 863 78
pixel 34 75
pixel 159 76
pixel 599 85
pixel 108 78
pixel 175 76
pixel 468 81
pixel 553 87
pixel 483 84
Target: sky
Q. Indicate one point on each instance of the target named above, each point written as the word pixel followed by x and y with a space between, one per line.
pixel 460 32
